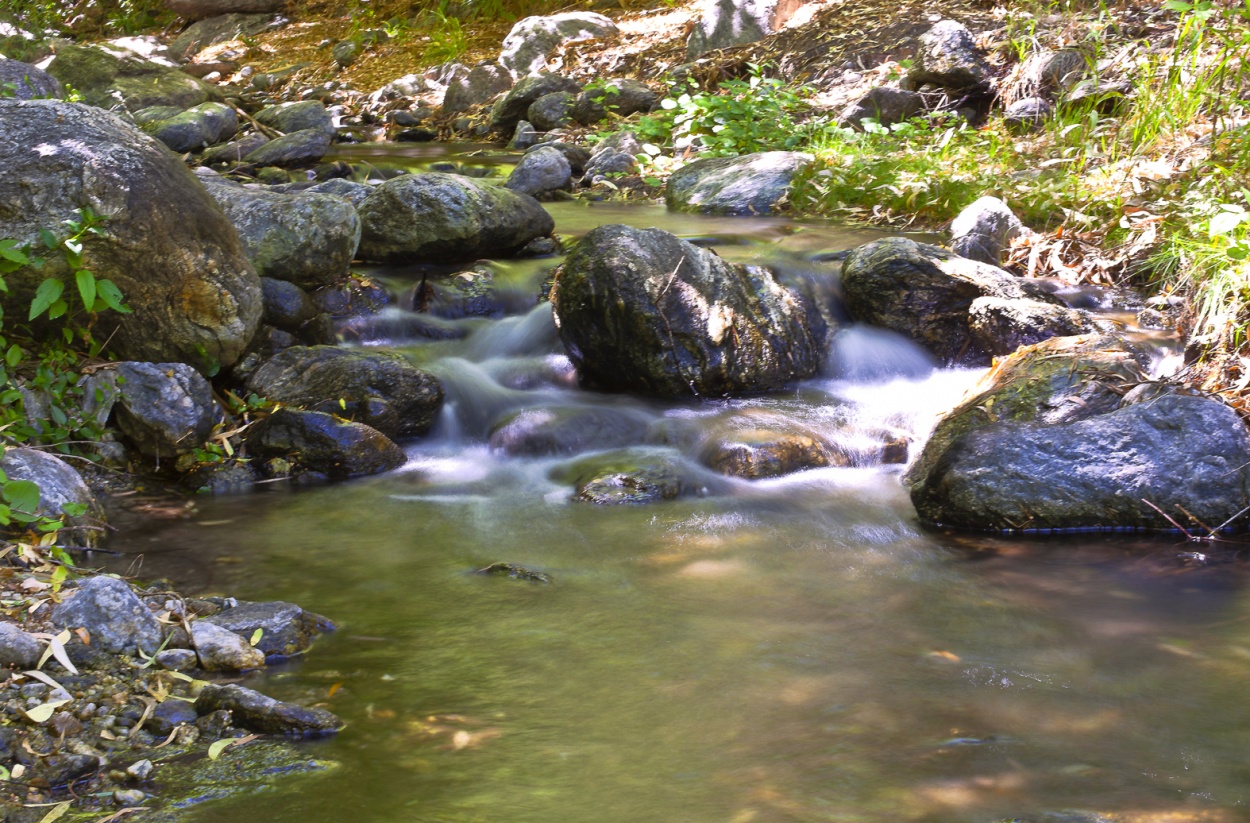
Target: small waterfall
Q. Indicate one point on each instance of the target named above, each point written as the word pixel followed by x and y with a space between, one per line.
pixel 866 355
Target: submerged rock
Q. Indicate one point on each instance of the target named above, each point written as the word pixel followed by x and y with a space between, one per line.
pixel 632 477
pixel 758 453
pixel 750 184
pixel 117 620
pixel 514 572
pixel 643 311
pixel 259 713
pixel 568 430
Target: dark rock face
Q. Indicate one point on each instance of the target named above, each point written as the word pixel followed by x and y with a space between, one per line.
pixel 925 293
pixel 480 85
pixel 286 629
pixel 287 306
pixel 509 111
pixel 203 125
pixel 305 239
pixel 728 23
pixel 532 40
pixel 948 57
pixel 541 173
pixel 164 408
pixel 622 97
pixel 59 483
pixel 259 713
pixel 302 116
pixel 28 82
pixel 299 148
pixel 1001 326
pixel 118 621
pixel 538 432
pixel 201 9
pixel 551 111
pixel 384 391
pixel 322 443
pixel 750 184
pixel 1175 451
pixel 168 247
pixel 103 78
pixel 983 231
pixel 446 217
pixel 884 104
pixel 643 311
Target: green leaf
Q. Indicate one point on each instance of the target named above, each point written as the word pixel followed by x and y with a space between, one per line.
pixel 256 636
pixel 48 238
pixel 49 292
pixel 219 746
pixel 56 812
pixel 86 287
pixel 1225 223
pixel 57 309
pixel 13 356
pixel 111 295
pixel 22 494
pixel 9 250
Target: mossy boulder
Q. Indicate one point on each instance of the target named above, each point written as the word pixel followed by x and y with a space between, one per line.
pixel 746 185
pixel 106 77
pixel 633 477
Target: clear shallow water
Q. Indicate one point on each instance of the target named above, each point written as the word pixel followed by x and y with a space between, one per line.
pixel 778 650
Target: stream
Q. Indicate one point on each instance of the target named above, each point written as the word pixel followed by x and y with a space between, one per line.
pixel 788 649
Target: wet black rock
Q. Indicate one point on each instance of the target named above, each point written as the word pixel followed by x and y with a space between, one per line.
pixel 285 628
pixel 324 444
pixel 511 109
pixel 287 306
pixel 259 713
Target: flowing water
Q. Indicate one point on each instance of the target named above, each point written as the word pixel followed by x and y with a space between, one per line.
pixel 795 649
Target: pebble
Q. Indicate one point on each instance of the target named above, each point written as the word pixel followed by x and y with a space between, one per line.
pixel 129 797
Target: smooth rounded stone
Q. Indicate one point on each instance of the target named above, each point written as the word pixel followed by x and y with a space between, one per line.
pixel 129 798
pixel 286 629
pixel 117 620
pixel 568 430
pixel 1001 326
pixel 621 97
pixel 948 57
pixel 1060 380
pixel 102 76
pixel 299 148
pixel 322 443
pixel 728 23
pixel 380 389
pixel 577 156
pixel 306 115
pixel 221 650
pixel 533 39
pixel 541 173
pixel 750 184
pixel 171 714
pixel 204 125
pixel 511 108
pixel 884 104
pixel 256 712
pixel 447 218
pixel 17 648
pixel 305 239
pixel 235 150
pixel 754 453
pixel 177 660
pixel 640 310
pixel 218 29
pixel 287 306
pixel 925 293
pixel 174 255
pixel 482 84
pixel 165 409
pixel 608 165
pixel 984 230
pixel 28 82
pixel 201 9
pixel 551 111
pixel 1187 455
pixel 1027 114
pixel 59 484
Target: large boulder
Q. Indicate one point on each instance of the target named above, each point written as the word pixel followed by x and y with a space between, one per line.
pixel 382 390
pixel 201 9
pixel 59 486
pixel 926 293
pixel 480 85
pixel 728 23
pixel 948 57
pixel 195 128
pixel 540 173
pixel 28 82
pixel 204 33
pixel 301 116
pixel 305 239
pixel 509 110
pixel 446 217
pixel 107 77
pixel 166 244
pixel 620 97
pixel 114 616
pixel 164 408
pixel 984 230
pixel 643 311
pixel 532 40
pixel 323 443
pixel 750 184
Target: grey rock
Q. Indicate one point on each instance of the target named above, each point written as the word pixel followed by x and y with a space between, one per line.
pixel 105 77
pixel 551 111
pixel 345 52
pixel 141 769
pixel 234 151
pixel 286 629
pixel 166 717
pixel 620 97
pixel 984 230
pixel 884 104
pixel 322 443
pixel 540 173
pixel 204 33
pixel 509 110
pixel 380 389
pixel 643 311
pixel 302 116
pixel 483 83
pixel 577 156
pixel 164 408
pixel 59 485
pixel 166 244
pixel 568 430
pixel 305 239
pixel 1001 326
pixel 728 23
pixel 299 148
pixel 750 184
pixel 203 125
pixel 117 620
pixel 177 660
pixel 1027 114
pixel 607 165
pixel 17 648
pixel 28 82
pixel 221 650
pixel 287 306
pixel 354 193
pixel 755 446
pixel 201 9
pixel 623 142
pixel 925 293
pixel 948 57
pixel 259 713
pixel 533 39
pixel 525 136
pixel 445 217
